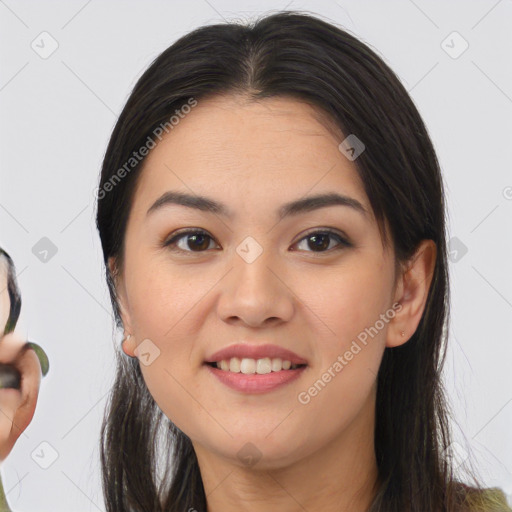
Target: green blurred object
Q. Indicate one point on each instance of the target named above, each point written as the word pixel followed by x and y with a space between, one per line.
pixel 10 377
pixel 4 506
pixel 41 354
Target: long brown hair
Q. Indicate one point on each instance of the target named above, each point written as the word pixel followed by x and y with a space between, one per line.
pixel 148 464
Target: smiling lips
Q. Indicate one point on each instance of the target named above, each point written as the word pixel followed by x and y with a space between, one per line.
pixel 255 368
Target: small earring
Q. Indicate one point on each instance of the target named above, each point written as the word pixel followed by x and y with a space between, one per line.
pixel 402 333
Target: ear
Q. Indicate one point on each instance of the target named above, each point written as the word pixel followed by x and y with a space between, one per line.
pixel 128 345
pixel 412 292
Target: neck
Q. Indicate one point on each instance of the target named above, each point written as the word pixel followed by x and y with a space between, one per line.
pixel 341 476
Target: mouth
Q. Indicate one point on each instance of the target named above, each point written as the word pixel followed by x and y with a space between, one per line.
pixel 254 376
pixel 249 366
pixel 255 358
pixel 255 368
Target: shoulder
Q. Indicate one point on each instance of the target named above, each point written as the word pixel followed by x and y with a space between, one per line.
pixel 475 499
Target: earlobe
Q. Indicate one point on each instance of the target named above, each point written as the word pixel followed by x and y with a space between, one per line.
pixel 128 346
pixel 412 294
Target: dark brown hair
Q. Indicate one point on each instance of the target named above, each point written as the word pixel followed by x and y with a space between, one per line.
pixel 295 55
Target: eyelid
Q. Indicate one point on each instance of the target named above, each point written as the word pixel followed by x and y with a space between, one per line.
pixel 330 231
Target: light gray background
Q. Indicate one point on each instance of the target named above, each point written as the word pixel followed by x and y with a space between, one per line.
pixel 56 118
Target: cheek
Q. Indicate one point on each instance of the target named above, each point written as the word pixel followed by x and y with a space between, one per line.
pixel 165 307
pixel 351 300
pixel 349 344
pixel 161 298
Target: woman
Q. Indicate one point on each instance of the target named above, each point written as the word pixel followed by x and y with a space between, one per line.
pixel 271 214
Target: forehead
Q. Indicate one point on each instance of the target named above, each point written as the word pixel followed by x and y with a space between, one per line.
pixel 272 149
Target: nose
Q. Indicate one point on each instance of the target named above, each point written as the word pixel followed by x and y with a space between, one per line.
pixel 256 293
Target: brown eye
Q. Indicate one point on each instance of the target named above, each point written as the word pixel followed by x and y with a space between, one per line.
pixel 320 241
pixel 193 241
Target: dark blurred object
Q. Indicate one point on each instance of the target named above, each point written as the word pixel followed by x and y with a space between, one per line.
pixel 9 376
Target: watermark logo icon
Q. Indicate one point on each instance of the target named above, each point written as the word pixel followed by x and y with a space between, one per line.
pixel 44 455
pixel 454 45
pixel 456 249
pixel 44 250
pixel 249 250
pixel 249 454
pixel 147 352
pixel 352 147
pixel 45 45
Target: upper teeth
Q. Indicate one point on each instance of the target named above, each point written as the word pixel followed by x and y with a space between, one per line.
pixel 260 366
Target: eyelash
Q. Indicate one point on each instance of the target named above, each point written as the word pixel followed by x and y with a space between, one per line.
pixel 343 243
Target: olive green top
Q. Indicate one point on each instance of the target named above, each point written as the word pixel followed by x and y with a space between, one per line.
pixel 4 506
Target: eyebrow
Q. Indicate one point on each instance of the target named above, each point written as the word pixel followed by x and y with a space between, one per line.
pixel 306 204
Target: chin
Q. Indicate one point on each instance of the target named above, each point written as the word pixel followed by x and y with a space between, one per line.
pixel 260 453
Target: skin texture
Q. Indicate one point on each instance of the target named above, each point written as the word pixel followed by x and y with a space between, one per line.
pixel 254 157
pixel 4 294
pixel 17 407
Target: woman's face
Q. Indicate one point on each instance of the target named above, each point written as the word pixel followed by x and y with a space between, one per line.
pixel 257 278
